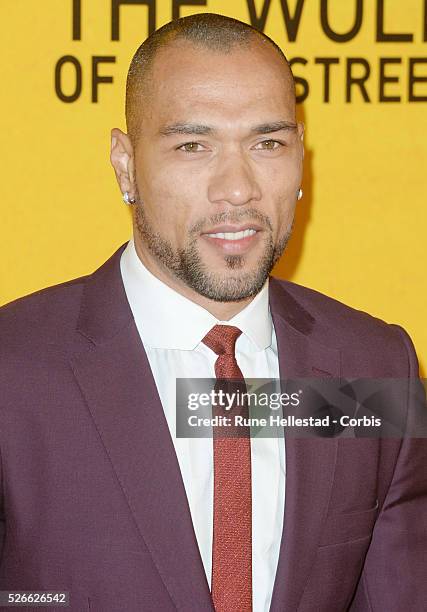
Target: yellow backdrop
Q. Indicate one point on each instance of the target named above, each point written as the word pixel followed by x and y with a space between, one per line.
pixel 361 69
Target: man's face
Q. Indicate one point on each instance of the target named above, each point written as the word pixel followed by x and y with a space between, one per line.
pixel 218 165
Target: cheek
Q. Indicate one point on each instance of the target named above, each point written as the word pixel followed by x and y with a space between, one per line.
pixel 168 203
pixel 167 182
pixel 279 187
pixel 287 173
pixel 281 177
pixel 285 211
pixel 282 207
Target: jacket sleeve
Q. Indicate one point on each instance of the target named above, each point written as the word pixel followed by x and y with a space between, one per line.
pixel 2 517
pixel 394 573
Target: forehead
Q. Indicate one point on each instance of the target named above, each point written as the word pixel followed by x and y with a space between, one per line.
pixel 190 81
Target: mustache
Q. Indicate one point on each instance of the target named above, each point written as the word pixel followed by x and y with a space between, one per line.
pixel 233 217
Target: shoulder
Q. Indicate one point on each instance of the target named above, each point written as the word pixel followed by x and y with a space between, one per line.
pixel 331 313
pixel 353 331
pixel 41 317
pixel 45 322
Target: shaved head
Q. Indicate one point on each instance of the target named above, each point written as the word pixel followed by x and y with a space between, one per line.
pixel 216 33
pixel 212 158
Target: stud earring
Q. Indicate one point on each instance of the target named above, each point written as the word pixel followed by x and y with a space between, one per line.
pixel 127 199
pixel 299 194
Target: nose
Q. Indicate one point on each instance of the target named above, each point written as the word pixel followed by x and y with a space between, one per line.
pixel 233 181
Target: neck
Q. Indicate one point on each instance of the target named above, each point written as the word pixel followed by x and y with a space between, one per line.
pixel 223 311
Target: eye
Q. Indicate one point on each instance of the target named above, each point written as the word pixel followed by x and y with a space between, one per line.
pixel 191 147
pixel 269 145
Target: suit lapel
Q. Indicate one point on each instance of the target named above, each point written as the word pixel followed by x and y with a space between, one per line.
pixel 113 372
pixel 310 462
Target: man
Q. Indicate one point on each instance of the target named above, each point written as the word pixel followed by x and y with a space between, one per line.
pixel 100 498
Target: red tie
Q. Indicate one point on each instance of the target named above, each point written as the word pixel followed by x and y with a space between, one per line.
pixel 232 517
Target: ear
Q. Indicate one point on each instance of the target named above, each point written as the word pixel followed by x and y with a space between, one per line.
pixel 301 131
pixel 122 160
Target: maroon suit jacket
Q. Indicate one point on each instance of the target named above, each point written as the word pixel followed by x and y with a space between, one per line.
pixel 92 499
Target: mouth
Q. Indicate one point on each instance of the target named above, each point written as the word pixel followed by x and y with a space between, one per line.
pixel 233 235
pixel 230 239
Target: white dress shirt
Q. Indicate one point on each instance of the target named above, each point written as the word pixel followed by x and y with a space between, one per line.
pixel 171 328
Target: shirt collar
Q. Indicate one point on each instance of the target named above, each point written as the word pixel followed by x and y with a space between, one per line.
pixel 166 319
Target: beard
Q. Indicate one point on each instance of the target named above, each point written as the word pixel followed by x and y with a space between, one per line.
pixel 187 264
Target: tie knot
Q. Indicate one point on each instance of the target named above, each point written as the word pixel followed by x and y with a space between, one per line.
pixel 221 339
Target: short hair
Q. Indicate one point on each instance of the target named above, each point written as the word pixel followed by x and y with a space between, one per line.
pixel 210 30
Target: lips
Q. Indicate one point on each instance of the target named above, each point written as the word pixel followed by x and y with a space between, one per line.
pixel 232 235
pixel 229 231
pixel 232 239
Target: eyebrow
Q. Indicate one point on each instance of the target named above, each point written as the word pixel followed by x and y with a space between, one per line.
pixel 186 128
pixel 204 130
pixel 275 126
